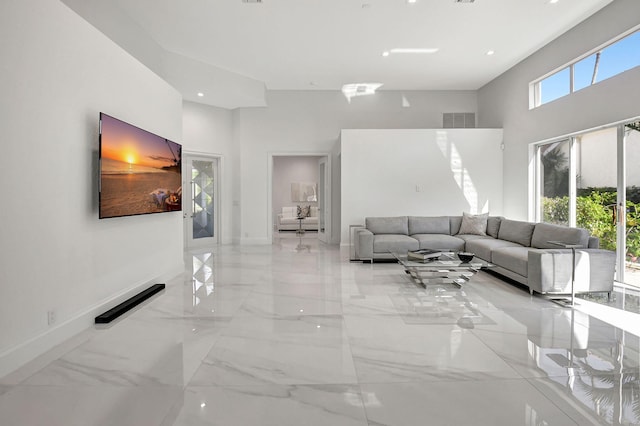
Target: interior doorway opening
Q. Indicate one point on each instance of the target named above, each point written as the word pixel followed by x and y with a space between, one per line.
pixel 300 197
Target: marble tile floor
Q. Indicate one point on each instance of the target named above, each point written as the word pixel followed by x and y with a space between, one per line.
pixel 275 335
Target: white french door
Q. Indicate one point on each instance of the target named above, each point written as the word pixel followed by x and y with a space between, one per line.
pixel 200 204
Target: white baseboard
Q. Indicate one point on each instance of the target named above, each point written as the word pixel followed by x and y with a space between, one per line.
pixel 18 356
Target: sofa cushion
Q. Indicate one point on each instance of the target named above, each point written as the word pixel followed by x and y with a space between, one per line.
pixel 428 225
pixel 545 232
pixel 470 237
pixel 383 243
pixel 512 258
pixel 289 211
pixel 474 224
pixel 387 225
pixel 439 241
pixel 454 224
pixel 493 225
pixel 516 231
pixel 482 247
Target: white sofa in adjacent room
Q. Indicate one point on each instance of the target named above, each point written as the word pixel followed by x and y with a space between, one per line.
pixel 288 219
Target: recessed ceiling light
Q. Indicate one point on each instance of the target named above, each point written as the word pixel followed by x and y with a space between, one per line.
pixel 553 1
pixel 412 1
pixel 490 52
pixel 385 53
pixel 200 94
pixel 414 50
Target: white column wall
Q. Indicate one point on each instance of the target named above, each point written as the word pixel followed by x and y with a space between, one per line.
pixel 504 102
pixel 419 172
pixel 309 123
pixel 57 74
pixel 209 130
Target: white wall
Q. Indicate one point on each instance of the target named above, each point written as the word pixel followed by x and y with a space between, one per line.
pixel 223 88
pixel 428 172
pixel 597 159
pixel 309 123
pixel 504 101
pixel 209 130
pixel 287 170
pixel 57 74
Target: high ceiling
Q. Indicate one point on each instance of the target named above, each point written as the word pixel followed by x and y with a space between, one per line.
pixel 323 44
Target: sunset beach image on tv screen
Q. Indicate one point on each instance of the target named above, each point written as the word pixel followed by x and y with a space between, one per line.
pixel 140 172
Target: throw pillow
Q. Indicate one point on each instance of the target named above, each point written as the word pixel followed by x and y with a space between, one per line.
pixel 299 211
pixel 474 224
pixel 304 211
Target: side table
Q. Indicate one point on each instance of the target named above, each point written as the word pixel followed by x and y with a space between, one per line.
pixel 564 302
pixel 300 231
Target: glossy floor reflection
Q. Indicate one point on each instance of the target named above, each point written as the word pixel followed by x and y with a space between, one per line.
pixel 295 334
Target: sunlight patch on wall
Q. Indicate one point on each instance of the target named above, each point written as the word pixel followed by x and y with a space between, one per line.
pixel 459 172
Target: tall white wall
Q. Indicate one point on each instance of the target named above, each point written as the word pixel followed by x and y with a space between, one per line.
pixel 309 123
pixel 504 102
pixel 57 74
pixel 209 130
pixel 419 172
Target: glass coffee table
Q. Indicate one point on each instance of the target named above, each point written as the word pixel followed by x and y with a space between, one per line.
pixel 446 269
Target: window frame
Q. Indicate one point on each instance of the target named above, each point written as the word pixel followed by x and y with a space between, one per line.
pixel 535 86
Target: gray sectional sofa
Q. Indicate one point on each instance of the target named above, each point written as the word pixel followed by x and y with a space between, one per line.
pixel 519 250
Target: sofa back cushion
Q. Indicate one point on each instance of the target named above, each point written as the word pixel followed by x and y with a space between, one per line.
pixel 454 224
pixel 493 225
pixel 289 211
pixel 388 225
pixel 314 211
pixel 545 232
pixel 428 225
pixel 516 231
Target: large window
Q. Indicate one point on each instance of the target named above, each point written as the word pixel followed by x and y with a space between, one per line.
pixel 591 180
pixel 615 57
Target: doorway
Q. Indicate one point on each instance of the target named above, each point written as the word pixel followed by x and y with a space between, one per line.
pixel 300 183
pixel 200 204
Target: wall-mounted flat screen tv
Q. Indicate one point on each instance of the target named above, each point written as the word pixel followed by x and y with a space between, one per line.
pixel 140 172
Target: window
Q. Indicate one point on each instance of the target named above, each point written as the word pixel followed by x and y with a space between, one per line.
pixel 554 182
pixel 590 180
pixel 611 59
pixel 555 86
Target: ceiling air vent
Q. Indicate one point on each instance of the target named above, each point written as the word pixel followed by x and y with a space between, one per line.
pixel 463 1
pixel 251 1
pixel 458 120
